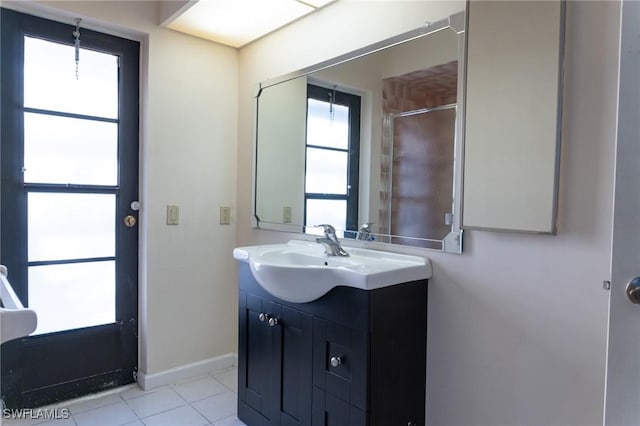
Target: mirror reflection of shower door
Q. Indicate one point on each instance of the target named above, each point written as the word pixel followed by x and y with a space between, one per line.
pixel 422 173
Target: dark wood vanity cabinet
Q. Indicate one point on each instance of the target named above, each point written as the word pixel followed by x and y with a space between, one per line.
pixel 351 358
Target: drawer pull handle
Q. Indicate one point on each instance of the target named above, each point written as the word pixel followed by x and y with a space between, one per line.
pixel 335 361
pixel 262 317
pixel 273 322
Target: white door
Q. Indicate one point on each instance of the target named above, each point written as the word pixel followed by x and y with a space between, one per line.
pixel 622 395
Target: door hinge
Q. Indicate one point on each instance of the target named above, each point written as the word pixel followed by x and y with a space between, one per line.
pixel 135 374
pixel 606 285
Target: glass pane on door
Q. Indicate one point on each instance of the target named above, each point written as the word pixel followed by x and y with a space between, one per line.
pixel 50 81
pixel 70 150
pixel 72 296
pixel 70 226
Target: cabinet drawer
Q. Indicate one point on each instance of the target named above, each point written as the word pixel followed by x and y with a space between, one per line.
pixel 331 411
pixel 340 361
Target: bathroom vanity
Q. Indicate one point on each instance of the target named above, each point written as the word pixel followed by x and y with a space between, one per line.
pixel 352 356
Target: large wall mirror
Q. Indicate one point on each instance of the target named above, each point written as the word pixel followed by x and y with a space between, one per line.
pixel 370 137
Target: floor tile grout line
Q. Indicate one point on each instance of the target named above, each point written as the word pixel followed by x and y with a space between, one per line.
pixel 143 392
pixel 226 389
pixel 159 412
pixel 108 405
pixel 202 414
pixel 92 408
pixel 174 408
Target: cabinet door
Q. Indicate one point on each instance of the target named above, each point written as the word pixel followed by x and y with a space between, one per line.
pixel 258 359
pixel 274 364
pixel 295 368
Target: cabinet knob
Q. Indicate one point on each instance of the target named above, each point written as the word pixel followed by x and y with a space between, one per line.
pixel 273 322
pixel 335 361
pixel 262 317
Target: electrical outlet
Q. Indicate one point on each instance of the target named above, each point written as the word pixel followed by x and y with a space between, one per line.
pixel 225 215
pixel 286 214
pixel 173 213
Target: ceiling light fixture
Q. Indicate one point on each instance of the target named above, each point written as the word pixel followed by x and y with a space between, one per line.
pixel 238 22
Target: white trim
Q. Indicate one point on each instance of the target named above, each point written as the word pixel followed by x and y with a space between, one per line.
pixel 173 375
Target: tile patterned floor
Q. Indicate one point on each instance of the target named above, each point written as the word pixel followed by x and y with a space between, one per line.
pixel 201 401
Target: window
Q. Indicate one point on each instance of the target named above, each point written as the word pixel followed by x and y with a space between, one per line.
pixel 332 157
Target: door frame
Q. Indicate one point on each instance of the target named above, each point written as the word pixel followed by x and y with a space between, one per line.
pixel 622 379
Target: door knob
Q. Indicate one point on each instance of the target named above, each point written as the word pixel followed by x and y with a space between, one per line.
pixel 335 361
pixel 633 290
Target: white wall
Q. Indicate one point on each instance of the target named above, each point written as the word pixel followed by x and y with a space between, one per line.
pixel 517 324
pixel 188 158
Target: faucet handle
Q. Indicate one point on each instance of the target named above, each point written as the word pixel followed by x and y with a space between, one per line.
pixel 364 233
pixel 367 226
pixel 328 229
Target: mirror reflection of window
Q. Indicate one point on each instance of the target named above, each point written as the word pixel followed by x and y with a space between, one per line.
pixel 332 154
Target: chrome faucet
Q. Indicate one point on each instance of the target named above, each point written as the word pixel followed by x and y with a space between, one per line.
pixel 330 242
pixel 364 233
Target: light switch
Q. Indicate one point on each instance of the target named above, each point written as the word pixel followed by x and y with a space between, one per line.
pixel 286 214
pixel 173 213
pixel 225 215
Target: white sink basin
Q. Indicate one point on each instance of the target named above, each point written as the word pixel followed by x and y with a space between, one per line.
pixel 300 271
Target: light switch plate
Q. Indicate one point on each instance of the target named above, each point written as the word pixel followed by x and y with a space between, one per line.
pixel 286 214
pixel 225 215
pixel 173 213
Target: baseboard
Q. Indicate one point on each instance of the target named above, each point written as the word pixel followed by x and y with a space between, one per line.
pixel 173 375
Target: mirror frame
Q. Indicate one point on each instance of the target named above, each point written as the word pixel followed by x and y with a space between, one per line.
pixel 452 242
